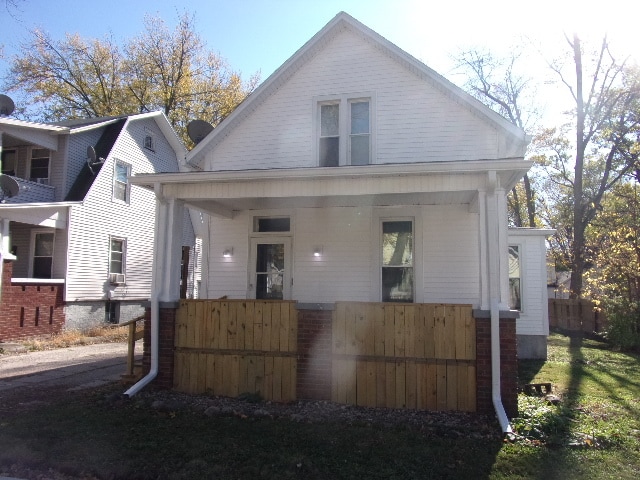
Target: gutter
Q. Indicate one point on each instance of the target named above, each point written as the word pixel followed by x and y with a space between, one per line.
pixel 496 394
pixel 158 245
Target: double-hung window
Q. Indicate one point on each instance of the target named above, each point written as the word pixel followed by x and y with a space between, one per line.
pixel 515 290
pixel 42 254
pixel 397 261
pixel 344 126
pixel 39 170
pixel 121 188
pixel 116 255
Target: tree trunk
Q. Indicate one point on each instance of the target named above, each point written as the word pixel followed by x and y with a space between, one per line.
pixel 577 249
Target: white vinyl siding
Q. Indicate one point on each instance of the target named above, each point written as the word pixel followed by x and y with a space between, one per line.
pixel 534 317
pixel 98 218
pixel 414 121
pixel 446 267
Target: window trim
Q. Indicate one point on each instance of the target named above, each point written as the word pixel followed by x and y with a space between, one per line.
pixel 124 255
pixel 344 126
pixel 127 189
pixel 32 249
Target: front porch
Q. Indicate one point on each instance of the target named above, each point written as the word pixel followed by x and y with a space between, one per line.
pixel 418 356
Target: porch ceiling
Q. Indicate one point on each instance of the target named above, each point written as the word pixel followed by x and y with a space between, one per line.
pixel 225 207
pixel 44 215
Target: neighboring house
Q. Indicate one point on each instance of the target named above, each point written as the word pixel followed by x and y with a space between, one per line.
pixel 77 238
pixel 357 175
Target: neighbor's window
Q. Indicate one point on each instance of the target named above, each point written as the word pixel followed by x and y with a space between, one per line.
pixel 116 255
pixel 120 181
pixel 9 162
pixel 397 261
pixel 42 254
pixel 39 170
pixel 515 292
pixel 348 118
pixel 148 142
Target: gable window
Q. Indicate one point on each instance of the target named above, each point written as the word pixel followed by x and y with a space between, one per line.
pixel 121 172
pixel 360 137
pixel 515 291
pixel 329 135
pixel 9 162
pixel 42 254
pixel 39 170
pixel 148 142
pixel 397 261
pixel 344 126
pixel 116 255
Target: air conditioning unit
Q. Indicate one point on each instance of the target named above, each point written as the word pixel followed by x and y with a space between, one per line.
pixel 116 278
pixel 42 181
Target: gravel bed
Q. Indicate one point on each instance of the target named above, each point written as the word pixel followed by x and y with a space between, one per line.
pixel 449 424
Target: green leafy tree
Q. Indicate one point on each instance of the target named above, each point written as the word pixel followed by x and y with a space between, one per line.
pixel 160 69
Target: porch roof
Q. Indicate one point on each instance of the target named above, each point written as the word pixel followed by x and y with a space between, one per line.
pixel 223 192
pixel 52 215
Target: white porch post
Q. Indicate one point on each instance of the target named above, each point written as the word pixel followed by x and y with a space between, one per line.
pixel 169 250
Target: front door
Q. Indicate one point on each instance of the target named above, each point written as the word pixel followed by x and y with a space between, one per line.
pixel 270 277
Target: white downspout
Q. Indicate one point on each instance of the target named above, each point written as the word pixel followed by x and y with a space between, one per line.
pixel 158 254
pixel 494 298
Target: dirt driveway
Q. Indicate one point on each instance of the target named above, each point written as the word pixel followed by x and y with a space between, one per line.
pixel 73 368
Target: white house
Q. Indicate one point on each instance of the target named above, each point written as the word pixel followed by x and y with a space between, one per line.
pixel 355 173
pixel 71 219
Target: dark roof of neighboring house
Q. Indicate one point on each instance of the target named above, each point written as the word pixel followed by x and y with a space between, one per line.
pixel 86 176
pixel 83 122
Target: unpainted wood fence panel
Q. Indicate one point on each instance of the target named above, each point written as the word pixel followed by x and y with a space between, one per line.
pixel 419 356
pixel 230 347
pixel 578 315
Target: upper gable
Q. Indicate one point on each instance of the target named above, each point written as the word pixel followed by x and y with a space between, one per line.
pixel 413 118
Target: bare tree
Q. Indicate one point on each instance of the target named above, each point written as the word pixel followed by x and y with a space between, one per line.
pixel 606 96
pixel 497 83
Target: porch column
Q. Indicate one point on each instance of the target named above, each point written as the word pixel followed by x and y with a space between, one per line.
pixel 495 324
pixel 165 287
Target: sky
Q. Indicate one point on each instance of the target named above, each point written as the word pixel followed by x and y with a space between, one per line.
pixel 260 35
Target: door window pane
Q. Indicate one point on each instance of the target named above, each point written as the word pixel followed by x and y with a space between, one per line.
pixel 270 271
pixel 397 261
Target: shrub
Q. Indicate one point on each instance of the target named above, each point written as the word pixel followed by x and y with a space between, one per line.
pixel 623 318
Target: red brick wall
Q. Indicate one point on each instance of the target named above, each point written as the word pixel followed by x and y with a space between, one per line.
pixel 166 345
pixel 314 355
pixel 29 309
pixel 508 366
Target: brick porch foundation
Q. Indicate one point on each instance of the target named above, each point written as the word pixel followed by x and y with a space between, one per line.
pixel 508 365
pixel 29 309
pixel 167 325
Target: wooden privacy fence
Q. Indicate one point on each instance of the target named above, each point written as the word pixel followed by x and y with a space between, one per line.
pixel 419 356
pixel 229 347
pixel 577 315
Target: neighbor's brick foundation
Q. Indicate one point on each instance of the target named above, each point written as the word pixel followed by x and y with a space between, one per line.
pixel 314 353
pixel 28 309
pixel 508 366
pixel 166 347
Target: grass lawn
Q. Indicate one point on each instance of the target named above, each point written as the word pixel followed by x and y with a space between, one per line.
pixel 593 433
